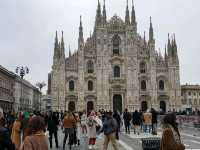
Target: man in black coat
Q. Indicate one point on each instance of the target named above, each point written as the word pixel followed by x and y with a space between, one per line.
pixel 154 121
pixel 127 119
pixel 136 120
pixel 52 124
pixel 117 117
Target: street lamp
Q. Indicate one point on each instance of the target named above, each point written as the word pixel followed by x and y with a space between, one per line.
pixel 40 85
pixel 21 71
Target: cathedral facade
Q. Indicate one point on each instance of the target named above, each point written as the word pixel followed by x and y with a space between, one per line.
pixel 115 68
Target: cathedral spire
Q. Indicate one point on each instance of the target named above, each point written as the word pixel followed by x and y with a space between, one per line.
pixel 69 51
pixel 62 46
pixel 151 34
pixel 144 38
pixel 127 17
pixel 56 47
pixel 98 15
pixel 80 39
pixel 56 39
pixel 104 13
pixel 169 47
pixel 133 20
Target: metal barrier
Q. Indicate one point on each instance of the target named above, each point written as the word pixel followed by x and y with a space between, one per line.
pixel 151 143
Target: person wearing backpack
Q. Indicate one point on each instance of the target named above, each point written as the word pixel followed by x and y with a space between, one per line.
pixel 109 128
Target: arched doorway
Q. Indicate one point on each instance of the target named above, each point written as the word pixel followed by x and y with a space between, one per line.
pixel 117 103
pixel 163 106
pixel 90 106
pixel 71 106
pixel 144 106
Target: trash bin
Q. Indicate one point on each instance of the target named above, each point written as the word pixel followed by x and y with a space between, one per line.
pixel 151 143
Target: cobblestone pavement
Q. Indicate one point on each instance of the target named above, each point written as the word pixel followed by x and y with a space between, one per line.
pixel 84 143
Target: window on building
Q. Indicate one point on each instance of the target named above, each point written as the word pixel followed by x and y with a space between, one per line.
pixel 189 93
pixel 142 67
pixel 116 71
pixel 143 85
pixel 194 93
pixel 195 101
pixel 71 85
pixel 161 85
pixel 90 66
pixel 90 86
pixel 116 44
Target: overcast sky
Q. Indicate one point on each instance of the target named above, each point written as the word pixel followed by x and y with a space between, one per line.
pixel 27 30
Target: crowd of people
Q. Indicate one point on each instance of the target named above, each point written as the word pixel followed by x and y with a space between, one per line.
pixel 29 131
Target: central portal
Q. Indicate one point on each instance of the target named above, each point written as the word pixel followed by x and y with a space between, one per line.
pixel 90 106
pixel 117 103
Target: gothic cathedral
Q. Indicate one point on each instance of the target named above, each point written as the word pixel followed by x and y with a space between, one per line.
pixel 115 68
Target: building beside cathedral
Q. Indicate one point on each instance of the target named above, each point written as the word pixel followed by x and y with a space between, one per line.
pixel 115 68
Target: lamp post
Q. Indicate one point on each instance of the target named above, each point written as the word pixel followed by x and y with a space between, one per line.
pixel 40 85
pixel 21 71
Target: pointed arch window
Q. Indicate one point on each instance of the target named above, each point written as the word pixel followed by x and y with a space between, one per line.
pixel 90 85
pixel 116 43
pixel 142 67
pixel 71 85
pixel 116 71
pixel 143 85
pixel 90 66
pixel 161 85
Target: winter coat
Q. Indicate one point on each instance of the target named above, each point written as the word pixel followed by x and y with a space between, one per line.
pixel 36 141
pixel 5 141
pixel 109 126
pixel 154 117
pixel 52 123
pixel 16 136
pixel 69 122
pixel 136 119
pixel 127 118
pixel 168 141
pixel 117 118
pixel 91 124
pixel 147 118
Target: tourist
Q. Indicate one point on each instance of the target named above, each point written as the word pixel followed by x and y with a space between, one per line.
pixel 16 132
pixel 171 137
pixel 116 116
pixel 91 122
pixel 78 127
pixel 25 122
pixel 35 139
pixel 52 124
pixel 136 120
pixel 84 124
pixel 109 128
pixel 68 124
pixel 154 121
pixel 147 121
pixel 127 119
pixel 5 141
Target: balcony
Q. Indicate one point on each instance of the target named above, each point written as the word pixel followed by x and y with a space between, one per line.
pixel 119 80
